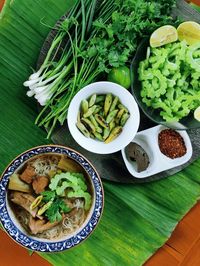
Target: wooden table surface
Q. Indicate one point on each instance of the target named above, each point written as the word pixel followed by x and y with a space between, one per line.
pixel 183 248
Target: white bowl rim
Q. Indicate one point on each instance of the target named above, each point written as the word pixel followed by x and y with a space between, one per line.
pixel 124 138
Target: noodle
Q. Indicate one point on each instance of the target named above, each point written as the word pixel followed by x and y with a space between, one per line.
pixel 43 165
pixel 53 233
pixel 71 221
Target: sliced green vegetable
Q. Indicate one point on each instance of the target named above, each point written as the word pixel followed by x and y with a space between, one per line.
pixel 114 103
pixel 102 122
pixel 119 115
pixel 84 106
pixel 170 80
pixel 90 111
pixel 114 134
pixel 124 118
pixel 36 202
pixel 106 133
pixel 83 129
pixel 98 129
pixel 75 178
pixel 75 182
pixel 121 106
pixel 98 136
pixel 111 116
pixel 100 98
pixel 81 194
pixel 44 208
pixel 89 124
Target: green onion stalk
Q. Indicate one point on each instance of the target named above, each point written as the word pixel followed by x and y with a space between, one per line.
pixel 67 67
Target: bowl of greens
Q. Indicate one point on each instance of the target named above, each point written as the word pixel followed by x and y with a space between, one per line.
pixel 165 83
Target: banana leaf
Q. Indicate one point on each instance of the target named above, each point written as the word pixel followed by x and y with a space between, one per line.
pixel 137 219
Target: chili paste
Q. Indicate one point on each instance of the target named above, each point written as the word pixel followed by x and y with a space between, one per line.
pixel 171 143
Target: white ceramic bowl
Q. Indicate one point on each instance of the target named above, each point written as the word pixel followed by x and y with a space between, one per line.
pixel 129 130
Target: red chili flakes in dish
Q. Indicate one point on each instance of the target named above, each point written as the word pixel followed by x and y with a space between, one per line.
pixel 171 143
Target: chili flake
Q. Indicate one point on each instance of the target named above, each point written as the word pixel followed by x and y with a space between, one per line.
pixel 171 143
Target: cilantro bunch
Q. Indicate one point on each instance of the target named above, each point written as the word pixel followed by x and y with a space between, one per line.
pixel 117 39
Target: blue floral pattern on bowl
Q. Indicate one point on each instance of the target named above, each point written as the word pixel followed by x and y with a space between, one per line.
pixel 47 246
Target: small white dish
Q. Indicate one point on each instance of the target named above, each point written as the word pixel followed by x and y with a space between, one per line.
pixel 129 130
pixel 148 140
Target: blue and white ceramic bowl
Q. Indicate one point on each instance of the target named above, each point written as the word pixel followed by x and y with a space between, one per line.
pixel 13 227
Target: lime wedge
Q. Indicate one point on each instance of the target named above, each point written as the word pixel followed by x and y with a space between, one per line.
pixel 189 31
pixel 163 35
pixel 197 114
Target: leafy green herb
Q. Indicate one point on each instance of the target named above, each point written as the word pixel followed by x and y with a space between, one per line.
pixel 56 207
pixel 48 195
pixel 89 43
pixel 54 212
pixel 132 20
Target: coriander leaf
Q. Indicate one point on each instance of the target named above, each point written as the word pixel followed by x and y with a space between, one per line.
pixel 64 207
pixel 54 213
pixel 48 195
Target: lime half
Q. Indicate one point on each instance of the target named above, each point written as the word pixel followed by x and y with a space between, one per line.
pixel 189 31
pixel 197 114
pixel 163 35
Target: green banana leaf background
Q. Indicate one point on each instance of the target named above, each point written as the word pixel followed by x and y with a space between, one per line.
pixel 137 219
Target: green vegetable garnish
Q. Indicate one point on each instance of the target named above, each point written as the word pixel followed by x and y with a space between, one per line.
pixel 48 195
pixel 74 178
pixel 170 80
pixel 101 35
pixel 54 212
pixel 54 206
pixel 70 185
pixel 81 194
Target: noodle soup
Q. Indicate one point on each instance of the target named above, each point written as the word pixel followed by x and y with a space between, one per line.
pixel 50 196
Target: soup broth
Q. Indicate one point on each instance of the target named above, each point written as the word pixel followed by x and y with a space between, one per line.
pixel 50 195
